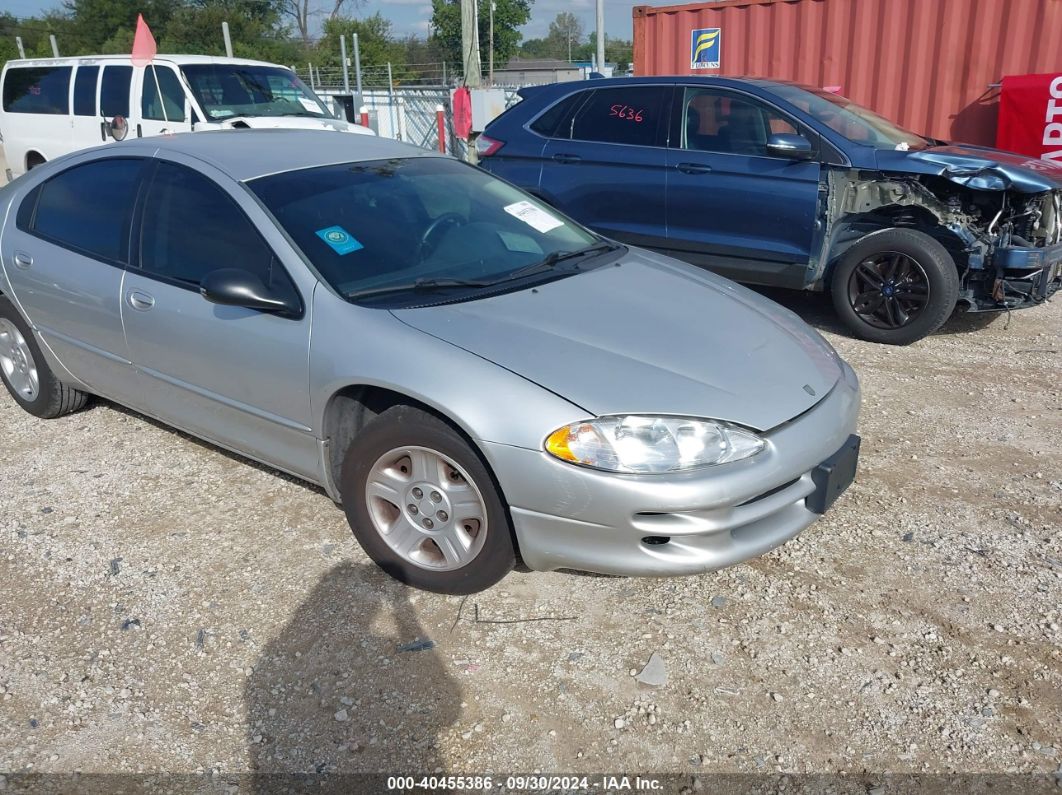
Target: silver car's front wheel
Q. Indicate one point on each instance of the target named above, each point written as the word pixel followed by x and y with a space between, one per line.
pixel 426 508
pixel 423 504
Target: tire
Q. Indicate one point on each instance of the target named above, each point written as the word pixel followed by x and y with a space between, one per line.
pixel 25 371
pixel 424 506
pixel 895 286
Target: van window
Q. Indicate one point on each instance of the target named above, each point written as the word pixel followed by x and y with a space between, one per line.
pixel 114 91
pixel 171 107
pixel 88 207
pixel 37 89
pixel 628 115
pixel 85 90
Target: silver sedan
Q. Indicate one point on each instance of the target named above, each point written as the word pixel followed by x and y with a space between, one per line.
pixel 475 377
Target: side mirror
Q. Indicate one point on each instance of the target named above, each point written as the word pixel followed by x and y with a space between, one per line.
pixel 117 128
pixel 237 287
pixel 789 145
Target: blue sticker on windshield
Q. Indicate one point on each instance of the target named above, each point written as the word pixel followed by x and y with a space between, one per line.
pixel 341 241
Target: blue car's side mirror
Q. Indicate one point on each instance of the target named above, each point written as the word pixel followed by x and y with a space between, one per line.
pixel 789 145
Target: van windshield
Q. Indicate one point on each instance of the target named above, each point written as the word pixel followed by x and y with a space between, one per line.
pixel 226 91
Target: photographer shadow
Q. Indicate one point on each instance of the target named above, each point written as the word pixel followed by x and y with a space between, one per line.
pixel 332 699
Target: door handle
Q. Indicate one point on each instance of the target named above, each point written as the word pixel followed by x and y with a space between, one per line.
pixel 139 132
pixel 693 168
pixel 140 300
pixel 22 260
pixel 562 158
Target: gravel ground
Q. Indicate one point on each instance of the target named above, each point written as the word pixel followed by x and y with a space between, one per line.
pixel 168 607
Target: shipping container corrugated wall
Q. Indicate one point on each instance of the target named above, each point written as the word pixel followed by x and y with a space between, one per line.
pixel 927 64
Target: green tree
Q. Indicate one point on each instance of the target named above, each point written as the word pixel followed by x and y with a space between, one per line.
pixel 509 16
pixel 94 24
pixel 565 35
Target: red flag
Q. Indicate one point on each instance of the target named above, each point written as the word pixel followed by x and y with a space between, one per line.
pixel 462 112
pixel 144 47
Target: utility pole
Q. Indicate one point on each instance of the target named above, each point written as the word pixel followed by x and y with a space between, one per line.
pixel 470 44
pixel 21 49
pixel 357 63
pixel 228 38
pixel 55 45
pixel 343 57
pixel 601 36
pixel 490 68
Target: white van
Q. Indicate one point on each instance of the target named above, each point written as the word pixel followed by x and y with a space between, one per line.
pixel 52 106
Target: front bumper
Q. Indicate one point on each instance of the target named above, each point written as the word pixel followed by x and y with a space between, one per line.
pixel 1022 277
pixel 576 518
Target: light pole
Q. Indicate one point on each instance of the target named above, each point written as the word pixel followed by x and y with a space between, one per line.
pixel 490 68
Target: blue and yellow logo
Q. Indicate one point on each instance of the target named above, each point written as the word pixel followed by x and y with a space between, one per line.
pixel 704 48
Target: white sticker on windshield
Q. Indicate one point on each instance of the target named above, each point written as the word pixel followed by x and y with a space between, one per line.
pixel 309 104
pixel 533 216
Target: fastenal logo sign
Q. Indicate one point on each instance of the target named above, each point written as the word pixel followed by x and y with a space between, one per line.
pixel 704 48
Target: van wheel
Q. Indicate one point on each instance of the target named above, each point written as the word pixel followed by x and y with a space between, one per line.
pixel 26 374
pixel 33 160
pixel 895 286
pixel 423 505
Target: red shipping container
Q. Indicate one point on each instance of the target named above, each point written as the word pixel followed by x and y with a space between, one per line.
pixel 929 65
pixel 1030 116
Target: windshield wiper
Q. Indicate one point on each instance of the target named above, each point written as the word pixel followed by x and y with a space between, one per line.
pixel 552 260
pixel 419 284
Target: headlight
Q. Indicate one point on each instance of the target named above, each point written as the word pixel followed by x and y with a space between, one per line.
pixel 637 443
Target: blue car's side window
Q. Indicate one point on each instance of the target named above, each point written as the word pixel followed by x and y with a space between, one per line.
pixel 627 115
pixel 717 121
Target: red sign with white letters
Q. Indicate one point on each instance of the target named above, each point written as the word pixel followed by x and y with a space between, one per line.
pixel 1030 116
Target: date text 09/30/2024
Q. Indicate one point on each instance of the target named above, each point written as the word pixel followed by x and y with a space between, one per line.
pixel 534 783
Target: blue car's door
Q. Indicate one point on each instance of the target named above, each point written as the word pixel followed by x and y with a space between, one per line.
pixel 730 206
pixel 605 164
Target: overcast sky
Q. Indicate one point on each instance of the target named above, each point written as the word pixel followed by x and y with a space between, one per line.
pixel 412 16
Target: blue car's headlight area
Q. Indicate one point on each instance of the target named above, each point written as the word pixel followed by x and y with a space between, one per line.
pixel 636 443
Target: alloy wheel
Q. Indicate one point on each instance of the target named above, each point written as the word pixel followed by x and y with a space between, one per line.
pixel 426 508
pixel 888 290
pixel 16 362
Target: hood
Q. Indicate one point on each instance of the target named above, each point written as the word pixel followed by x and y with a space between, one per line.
pixel 977 167
pixel 649 336
pixel 290 123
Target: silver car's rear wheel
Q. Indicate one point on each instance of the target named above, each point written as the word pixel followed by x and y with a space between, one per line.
pixel 25 371
pixel 17 363
pixel 426 508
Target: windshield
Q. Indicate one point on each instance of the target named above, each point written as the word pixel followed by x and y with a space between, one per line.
pixel 228 90
pixel 387 230
pixel 855 123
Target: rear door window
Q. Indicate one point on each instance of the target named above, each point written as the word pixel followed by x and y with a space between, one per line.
pixel 88 208
pixel 85 90
pixel 627 115
pixel 114 91
pixel 37 89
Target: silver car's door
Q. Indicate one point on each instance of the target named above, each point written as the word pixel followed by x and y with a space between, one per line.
pixel 65 250
pixel 236 376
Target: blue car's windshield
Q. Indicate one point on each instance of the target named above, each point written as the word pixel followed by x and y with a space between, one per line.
pixel 383 227
pixel 856 123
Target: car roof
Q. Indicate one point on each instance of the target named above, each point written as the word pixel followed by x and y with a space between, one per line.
pixel 612 82
pixel 74 60
pixel 248 154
